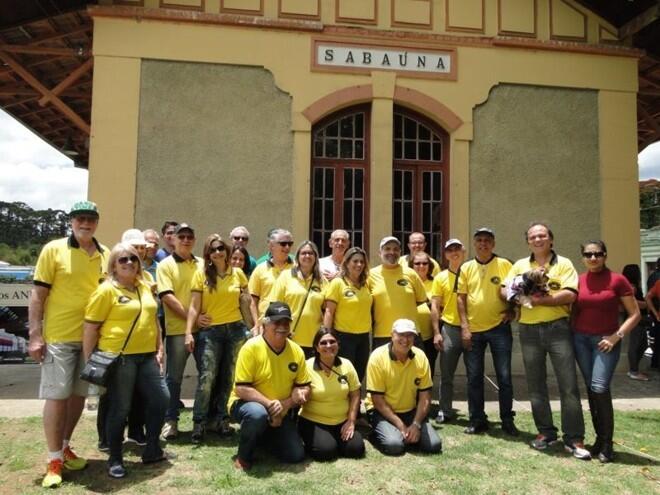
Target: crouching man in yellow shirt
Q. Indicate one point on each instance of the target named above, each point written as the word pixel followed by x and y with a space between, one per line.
pixel 399 394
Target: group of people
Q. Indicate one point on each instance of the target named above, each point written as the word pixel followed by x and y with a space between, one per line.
pixel 286 346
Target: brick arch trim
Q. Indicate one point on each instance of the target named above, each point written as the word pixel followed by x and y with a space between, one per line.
pixel 429 107
pixel 342 98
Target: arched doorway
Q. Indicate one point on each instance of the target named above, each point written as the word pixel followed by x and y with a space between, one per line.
pixel 340 177
pixel 420 182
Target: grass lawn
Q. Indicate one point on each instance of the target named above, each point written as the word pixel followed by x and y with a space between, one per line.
pixel 490 463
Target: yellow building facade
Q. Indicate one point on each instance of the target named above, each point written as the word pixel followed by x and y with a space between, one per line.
pixel 378 116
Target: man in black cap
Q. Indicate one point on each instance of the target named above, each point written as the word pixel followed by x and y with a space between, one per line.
pixel 271 378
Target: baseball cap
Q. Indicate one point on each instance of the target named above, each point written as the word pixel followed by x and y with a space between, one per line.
pixel 404 325
pixel 277 311
pixel 84 208
pixel 484 230
pixel 134 237
pixel 184 226
pixel 453 242
pixel 389 239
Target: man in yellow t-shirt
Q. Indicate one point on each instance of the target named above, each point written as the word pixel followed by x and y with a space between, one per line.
pixel 68 271
pixel 545 330
pixel 485 323
pixel 447 325
pixel 396 291
pixel 417 244
pixel 174 279
pixel 399 394
pixel 271 378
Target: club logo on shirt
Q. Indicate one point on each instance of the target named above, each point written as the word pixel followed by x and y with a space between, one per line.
pixel 316 288
pixel 349 293
pixel 402 282
pixel 418 381
pixel 554 285
pixel 293 367
pixel 343 379
pixel 496 280
pixel 123 300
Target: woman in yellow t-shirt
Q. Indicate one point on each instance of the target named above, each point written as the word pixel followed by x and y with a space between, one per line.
pixel 421 263
pixel 121 317
pixel 215 306
pixel 348 303
pixel 303 288
pixel 327 419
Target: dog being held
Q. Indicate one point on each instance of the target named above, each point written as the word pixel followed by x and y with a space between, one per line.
pixel 521 288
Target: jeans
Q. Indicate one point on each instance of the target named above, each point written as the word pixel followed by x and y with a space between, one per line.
pixel 553 338
pixel 501 342
pixel 355 348
pixel 324 443
pixel 597 367
pixel 218 348
pixel 177 357
pixel 451 352
pixel 284 441
pixel 389 440
pixel 136 371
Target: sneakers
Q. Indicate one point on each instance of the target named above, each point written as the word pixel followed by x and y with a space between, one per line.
pixel 138 438
pixel 103 447
pixel 197 434
pixel 53 477
pixel 636 375
pixel 578 450
pixel 72 462
pixel 225 429
pixel 476 428
pixel 509 427
pixel 170 430
pixel 542 442
pixel 117 470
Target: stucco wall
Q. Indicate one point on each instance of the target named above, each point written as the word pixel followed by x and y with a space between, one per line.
pixel 215 149
pixel 535 155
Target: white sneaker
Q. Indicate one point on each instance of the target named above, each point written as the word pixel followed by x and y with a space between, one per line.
pixel 170 430
pixel 636 375
pixel 578 451
pixel 440 418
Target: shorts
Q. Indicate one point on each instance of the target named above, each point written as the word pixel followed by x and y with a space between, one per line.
pixel 60 372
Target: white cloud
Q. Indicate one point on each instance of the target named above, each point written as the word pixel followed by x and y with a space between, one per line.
pixel 35 173
pixel 649 162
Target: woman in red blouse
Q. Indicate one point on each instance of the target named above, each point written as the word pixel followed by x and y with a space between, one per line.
pixel 597 336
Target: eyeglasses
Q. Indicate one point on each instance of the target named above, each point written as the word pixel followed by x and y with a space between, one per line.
pixel 125 259
pixel 327 342
pixel 420 263
pixel 285 243
pixel 186 237
pixel 593 254
pixel 217 249
pixel 241 238
pixel 307 253
pixel 169 232
pixel 86 218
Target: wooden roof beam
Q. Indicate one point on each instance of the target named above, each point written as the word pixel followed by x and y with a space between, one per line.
pixel 55 101
pixel 652 123
pixel 636 24
pixel 44 50
pixel 68 81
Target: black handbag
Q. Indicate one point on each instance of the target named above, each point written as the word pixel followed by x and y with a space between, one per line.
pixel 100 365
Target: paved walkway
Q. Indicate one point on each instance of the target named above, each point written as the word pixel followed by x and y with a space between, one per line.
pixel 19 391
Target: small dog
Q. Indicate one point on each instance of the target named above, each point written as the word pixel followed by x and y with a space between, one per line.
pixel 520 290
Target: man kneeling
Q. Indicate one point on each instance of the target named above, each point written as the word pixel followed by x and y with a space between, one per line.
pixel 271 378
pixel 399 394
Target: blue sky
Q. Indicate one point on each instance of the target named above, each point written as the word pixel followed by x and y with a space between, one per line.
pixel 33 172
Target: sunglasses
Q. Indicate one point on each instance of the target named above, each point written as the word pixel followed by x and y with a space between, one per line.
pixel 285 243
pixel 86 218
pixel 241 238
pixel 186 237
pixel 327 342
pixel 593 254
pixel 123 260
pixel 420 263
pixel 217 249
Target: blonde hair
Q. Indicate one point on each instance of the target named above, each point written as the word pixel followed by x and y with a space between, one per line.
pixel 115 254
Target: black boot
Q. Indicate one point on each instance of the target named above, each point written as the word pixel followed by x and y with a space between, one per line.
pixel 606 425
pixel 593 409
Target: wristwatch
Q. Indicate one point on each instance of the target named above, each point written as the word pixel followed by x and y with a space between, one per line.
pixel 417 424
pixel 620 334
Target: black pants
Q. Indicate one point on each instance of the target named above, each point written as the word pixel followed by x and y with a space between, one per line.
pixel 431 353
pixel 355 348
pixel 636 347
pixel 324 443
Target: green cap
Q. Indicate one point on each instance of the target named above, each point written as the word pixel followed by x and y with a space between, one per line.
pixel 84 208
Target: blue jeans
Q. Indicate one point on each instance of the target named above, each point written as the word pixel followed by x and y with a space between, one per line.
pixel 284 441
pixel 552 339
pixel 177 357
pixel 141 371
pixel 218 348
pixel 500 341
pixel 389 440
pixel 597 367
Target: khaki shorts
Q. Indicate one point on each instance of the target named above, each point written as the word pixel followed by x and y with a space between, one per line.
pixel 60 372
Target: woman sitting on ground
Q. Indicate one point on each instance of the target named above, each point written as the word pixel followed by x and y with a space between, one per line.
pixel 123 305
pixel 327 420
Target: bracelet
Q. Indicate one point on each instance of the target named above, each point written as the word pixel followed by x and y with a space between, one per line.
pixel 417 424
pixel 620 334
